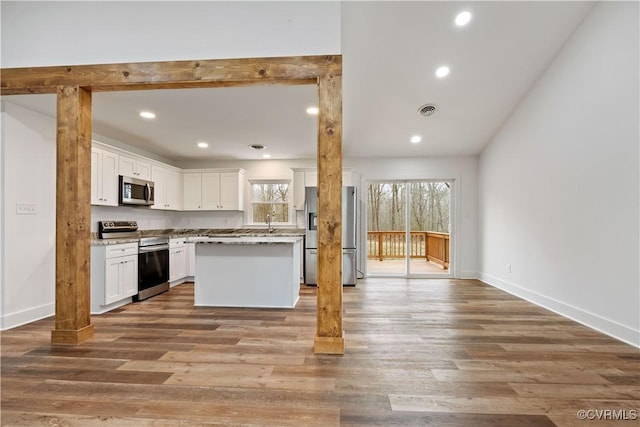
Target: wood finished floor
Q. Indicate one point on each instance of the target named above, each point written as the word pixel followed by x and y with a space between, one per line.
pixel 418 353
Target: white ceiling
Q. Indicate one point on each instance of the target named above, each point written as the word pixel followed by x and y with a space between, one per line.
pixel 390 52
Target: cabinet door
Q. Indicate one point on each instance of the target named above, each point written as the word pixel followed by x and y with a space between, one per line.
pixel 230 191
pixel 126 166
pixel 346 179
pixel 174 190
pixel 181 263
pixel 128 276
pixel 177 263
pixel 109 178
pixel 112 280
pixel 173 259
pixel 298 190
pixel 211 191
pixel 96 174
pixel 159 178
pixel 143 169
pixel 192 191
pixel 191 259
pixel 135 168
pixel 311 179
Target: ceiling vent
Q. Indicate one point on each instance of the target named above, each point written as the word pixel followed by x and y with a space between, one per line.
pixel 427 110
pixel 257 146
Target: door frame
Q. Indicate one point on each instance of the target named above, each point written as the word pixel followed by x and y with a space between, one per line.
pixel 452 234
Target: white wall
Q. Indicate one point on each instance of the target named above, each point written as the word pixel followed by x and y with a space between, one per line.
pixel 463 171
pixel 164 31
pixel 559 183
pixel 29 168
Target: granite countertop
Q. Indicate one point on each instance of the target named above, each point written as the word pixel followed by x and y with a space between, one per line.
pixel 202 232
pixel 104 242
pixel 249 240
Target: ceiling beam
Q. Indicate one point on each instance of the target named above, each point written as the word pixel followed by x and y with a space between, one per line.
pixel 74 85
pixel 171 74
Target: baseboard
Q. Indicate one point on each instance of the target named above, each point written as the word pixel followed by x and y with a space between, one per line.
pixel 13 320
pixel 181 281
pixel 467 275
pixel 592 320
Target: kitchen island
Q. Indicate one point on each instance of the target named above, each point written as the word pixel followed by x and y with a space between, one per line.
pixel 257 271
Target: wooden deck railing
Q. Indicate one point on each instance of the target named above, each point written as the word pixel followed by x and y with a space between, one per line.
pixel 422 244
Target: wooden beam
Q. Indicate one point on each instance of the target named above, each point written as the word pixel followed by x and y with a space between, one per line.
pixel 74 85
pixel 329 336
pixel 73 216
pixel 169 74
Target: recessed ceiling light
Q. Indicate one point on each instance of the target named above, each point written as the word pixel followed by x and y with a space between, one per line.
pixel 266 156
pixel 313 111
pixel 463 18
pixel 442 72
pixel 416 138
pixel 202 144
pixel 147 115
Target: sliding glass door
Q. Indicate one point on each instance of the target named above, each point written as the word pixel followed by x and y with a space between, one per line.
pixel 408 228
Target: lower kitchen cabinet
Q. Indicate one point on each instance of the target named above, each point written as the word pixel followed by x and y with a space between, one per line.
pixel 191 259
pixel 177 260
pixel 114 276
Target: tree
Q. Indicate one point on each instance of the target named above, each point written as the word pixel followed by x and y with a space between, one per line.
pixel 374 195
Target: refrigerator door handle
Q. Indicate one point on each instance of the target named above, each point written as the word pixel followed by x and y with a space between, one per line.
pixel 313 221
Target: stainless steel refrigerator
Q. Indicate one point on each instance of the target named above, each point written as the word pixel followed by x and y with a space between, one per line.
pixel 348 236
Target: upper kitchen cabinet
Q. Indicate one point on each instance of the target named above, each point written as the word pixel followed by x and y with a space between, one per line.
pixel 214 190
pixel 168 188
pixel 135 168
pixel 308 177
pixel 192 191
pixel 104 177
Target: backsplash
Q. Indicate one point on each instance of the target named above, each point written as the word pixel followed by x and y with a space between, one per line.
pixel 150 219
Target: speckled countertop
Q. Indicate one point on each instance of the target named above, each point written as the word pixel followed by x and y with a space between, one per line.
pixel 202 232
pixel 271 239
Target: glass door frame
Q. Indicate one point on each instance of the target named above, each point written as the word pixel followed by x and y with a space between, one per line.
pixel 407 271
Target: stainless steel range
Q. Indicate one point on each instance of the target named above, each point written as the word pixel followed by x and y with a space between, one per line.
pixel 153 256
pixel 153 267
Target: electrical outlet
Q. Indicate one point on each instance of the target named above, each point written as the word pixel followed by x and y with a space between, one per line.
pixel 26 209
pixel 508 268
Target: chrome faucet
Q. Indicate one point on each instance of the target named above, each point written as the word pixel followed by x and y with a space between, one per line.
pixel 269 223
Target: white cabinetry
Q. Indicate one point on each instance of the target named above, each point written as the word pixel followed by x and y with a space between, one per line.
pixel 191 259
pixel 214 190
pixel 309 178
pixel 104 177
pixel 133 167
pixel 167 188
pixel 298 190
pixel 177 260
pixel 114 276
pixel 192 191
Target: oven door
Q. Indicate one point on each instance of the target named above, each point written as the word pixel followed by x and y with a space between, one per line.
pixel 153 267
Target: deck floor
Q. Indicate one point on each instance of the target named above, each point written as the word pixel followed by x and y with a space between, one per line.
pixel 397 267
pixel 453 353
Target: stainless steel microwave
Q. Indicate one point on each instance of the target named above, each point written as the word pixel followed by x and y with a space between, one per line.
pixel 134 191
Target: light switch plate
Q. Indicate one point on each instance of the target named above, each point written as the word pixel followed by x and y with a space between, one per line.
pixel 26 209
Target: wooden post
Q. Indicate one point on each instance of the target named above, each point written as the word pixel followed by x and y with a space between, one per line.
pixel 329 335
pixel 73 216
pixel 73 211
